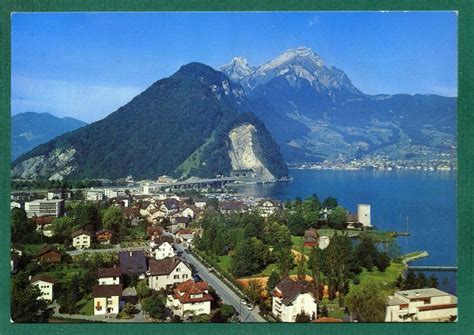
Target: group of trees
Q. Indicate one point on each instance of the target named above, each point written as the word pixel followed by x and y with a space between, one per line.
pixel 413 281
pixel 53 184
pixel 300 215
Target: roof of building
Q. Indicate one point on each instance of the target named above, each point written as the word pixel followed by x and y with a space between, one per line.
pixel 422 293
pixel 129 292
pixel 352 218
pixel 181 219
pixel 164 266
pixel 45 249
pixel 151 230
pixel 394 301
pixel 185 232
pixel 185 292
pixel 231 205
pixel 81 232
pixel 43 220
pixel 171 203
pixel 44 278
pixel 132 262
pixel 103 231
pixel 288 290
pixel 109 272
pixel 101 291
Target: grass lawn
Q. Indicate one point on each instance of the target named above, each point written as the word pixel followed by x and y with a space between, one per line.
pixel 333 308
pixel 87 305
pixel 64 274
pixel 224 263
pixel 297 242
pixel 386 279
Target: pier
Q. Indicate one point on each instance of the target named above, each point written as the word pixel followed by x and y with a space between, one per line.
pixel 433 268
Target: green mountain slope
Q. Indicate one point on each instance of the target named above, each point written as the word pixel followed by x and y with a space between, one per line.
pixel 153 134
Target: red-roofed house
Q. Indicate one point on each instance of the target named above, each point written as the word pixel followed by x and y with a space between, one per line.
pixel 191 298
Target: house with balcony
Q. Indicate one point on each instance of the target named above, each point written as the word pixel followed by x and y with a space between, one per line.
pixel 190 298
pixel 82 239
pixel 45 284
pixel 293 297
pixel 421 305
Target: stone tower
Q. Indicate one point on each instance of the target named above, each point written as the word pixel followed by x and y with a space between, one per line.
pixel 363 214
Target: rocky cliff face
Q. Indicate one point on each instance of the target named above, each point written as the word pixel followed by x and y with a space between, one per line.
pixel 246 153
pixel 57 165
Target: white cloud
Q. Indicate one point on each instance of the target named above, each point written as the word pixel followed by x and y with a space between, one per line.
pixel 64 98
pixel 313 21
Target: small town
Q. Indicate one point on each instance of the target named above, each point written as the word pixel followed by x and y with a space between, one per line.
pixel 170 251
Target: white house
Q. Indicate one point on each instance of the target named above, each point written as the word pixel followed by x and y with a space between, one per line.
pixel 427 304
pixel 190 298
pixel 268 207
pixel 167 272
pixel 186 236
pixel 15 204
pixel 45 284
pixel 45 207
pixel 94 195
pixel 81 239
pixel 163 250
pixel 290 298
pixel 109 276
pixel 107 299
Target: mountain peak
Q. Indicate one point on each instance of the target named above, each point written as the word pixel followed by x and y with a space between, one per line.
pixel 237 69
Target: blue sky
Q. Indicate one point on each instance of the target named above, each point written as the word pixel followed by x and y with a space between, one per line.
pixel 86 65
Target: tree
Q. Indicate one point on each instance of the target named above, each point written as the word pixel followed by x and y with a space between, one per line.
pixel 254 291
pixel 337 218
pixel 154 307
pixel 410 280
pixel 22 230
pixel 112 218
pixel 87 216
pixel 301 265
pixel 382 261
pixel 273 281
pixel 366 253
pixel 249 257
pixel 329 202
pixel 432 281
pixel 285 260
pixel 368 301
pixel 314 263
pixel 421 281
pixel 302 317
pixel 142 289
pixel 25 305
pixel 63 227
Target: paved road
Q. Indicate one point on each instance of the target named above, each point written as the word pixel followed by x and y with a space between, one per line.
pixel 226 294
pixel 102 318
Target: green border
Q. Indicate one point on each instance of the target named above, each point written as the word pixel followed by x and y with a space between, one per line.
pixel 465 176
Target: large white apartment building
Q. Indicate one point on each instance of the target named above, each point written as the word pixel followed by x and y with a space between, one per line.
pixel 427 304
pixel 45 207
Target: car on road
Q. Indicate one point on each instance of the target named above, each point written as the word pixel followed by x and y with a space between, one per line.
pixel 179 253
pixel 249 307
pixel 187 251
pixel 197 277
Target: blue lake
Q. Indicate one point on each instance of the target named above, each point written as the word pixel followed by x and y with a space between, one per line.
pixel 424 199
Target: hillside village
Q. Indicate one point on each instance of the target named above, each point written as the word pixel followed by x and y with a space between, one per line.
pixel 113 255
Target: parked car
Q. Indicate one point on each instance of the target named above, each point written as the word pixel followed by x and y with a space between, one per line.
pixel 249 307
